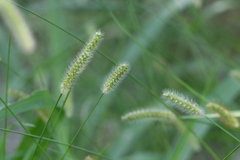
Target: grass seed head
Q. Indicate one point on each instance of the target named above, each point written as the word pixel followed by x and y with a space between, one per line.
pixel 17 94
pixel 81 61
pixel 115 77
pixel 225 115
pixel 182 103
pixel 149 114
pixel 18 26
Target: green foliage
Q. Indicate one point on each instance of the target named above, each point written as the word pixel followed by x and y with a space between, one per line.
pixel 36 100
pixel 188 45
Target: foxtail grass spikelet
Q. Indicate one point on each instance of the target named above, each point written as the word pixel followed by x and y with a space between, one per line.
pixel 224 114
pixel 18 27
pixel 182 103
pixel 17 94
pixel 235 74
pixel 115 77
pixel 80 62
pixel 149 114
pixel 164 116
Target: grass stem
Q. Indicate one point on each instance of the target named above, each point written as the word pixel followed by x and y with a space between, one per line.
pixel 19 121
pixel 81 127
pixel 6 97
pixel 57 142
pixel 223 129
pixel 235 149
pixel 45 127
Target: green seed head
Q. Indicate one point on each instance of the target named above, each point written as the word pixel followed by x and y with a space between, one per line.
pixel 17 94
pixel 80 62
pixel 182 103
pixel 149 114
pixel 225 115
pixel 18 26
pixel 115 77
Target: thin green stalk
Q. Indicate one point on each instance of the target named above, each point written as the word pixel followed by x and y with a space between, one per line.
pixel 47 21
pixel 223 129
pixel 236 113
pixel 19 121
pixel 206 146
pixel 6 96
pixel 58 116
pixel 49 119
pixel 57 142
pixel 231 152
pixel 81 127
pixel 8 66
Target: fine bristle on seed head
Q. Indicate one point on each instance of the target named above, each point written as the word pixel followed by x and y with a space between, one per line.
pixel 181 102
pixel 115 77
pixel 80 62
pixel 154 114
pixel 225 114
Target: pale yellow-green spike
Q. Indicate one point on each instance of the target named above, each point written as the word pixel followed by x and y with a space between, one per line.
pixel 18 26
pixel 149 114
pixel 81 61
pixel 182 103
pixel 224 114
pixel 115 77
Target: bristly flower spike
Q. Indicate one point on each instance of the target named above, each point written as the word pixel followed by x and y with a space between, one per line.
pixel 115 77
pixel 149 114
pixel 182 102
pixel 80 62
pixel 224 114
pixel 18 26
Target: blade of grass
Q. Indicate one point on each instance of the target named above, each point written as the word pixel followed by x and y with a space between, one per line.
pixel 37 99
pixel 223 129
pixel 19 121
pixel 57 119
pixel 81 127
pixel 57 142
pixel 45 127
pixel 6 97
pixel 60 112
pixel 234 150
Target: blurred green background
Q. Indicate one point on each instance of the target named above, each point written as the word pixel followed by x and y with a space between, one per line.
pixel 197 41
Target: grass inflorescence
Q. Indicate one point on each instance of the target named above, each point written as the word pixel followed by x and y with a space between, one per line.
pixel 115 77
pixel 149 114
pixel 81 61
pixel 225 115
pixel 182 102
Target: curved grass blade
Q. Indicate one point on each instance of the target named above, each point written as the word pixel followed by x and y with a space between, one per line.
pixel 37 99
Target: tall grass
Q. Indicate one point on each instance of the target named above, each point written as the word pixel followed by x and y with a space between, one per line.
pixel 190 46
